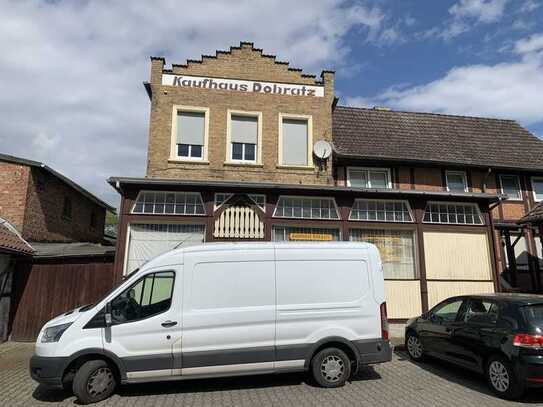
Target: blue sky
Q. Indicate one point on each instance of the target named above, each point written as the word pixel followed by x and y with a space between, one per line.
pixel 71 72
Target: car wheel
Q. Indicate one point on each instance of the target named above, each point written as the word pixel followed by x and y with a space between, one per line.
pixel 414 347
pixel 94 381
pixel 502 379
pixel 331 367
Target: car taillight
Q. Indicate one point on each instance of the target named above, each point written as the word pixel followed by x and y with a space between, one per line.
pixel 528 341
pixel 384 321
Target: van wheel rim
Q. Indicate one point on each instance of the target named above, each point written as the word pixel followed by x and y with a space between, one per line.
pixel 100 381
pixel 414 347
pixel 332 368
pixel 498 376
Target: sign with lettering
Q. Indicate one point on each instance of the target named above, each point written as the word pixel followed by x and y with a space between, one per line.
pixel 237 85
pixel 320 237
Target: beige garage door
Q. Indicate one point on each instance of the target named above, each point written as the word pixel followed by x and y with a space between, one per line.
pixel 462 260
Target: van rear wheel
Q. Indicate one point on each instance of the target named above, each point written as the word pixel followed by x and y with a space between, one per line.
pixel 94 381
pixel 331 367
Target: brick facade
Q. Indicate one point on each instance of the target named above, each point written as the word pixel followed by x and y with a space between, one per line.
pixel 33 199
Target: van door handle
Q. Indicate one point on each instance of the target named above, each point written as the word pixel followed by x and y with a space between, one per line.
pixel 167 324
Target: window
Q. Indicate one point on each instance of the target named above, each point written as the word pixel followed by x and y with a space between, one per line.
pixel 297 233
pixel 452 213
pixel 258 199
pixel 380 211
pixel 169 203
pixel 295 140
pixel 447 312
pixel 368 177
pixel 189 133
pixel 67 208
pixel 537 187
pixel 481 312
pixel 244 137
pixel 151 295
pixel 306 208
pixel 456 181
pixel 510 185
pixel 396 247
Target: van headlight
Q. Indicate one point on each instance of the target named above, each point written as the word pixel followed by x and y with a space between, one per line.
pixel 53 333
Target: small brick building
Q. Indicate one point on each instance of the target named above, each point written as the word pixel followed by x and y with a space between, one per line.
pixel 70 262
pixel 232 156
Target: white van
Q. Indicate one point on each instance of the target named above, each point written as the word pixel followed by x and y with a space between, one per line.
pixel 221 310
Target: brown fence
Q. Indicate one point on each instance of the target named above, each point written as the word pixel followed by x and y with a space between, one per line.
pixel 43 289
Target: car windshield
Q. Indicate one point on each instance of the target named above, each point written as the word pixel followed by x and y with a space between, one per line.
pixel 533 314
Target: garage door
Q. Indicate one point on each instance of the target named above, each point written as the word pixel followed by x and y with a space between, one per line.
pixel 151 239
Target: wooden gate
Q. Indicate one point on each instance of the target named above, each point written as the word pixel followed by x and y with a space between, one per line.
pixel 44 289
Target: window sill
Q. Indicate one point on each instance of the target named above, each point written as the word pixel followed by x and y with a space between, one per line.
pixel 295 167
pixel 242 164
pixel 180 161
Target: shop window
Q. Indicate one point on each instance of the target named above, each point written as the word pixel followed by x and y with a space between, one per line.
pixel 295 141
pixel 456 181
pixel 306 208
pixel 300 233
pixel 452 213
pixel 510 185
pixel 169 203
pixel 190 133
pixel 258 199
pixel 381 211
pixel 537 187
pixel 244 135
pixel 67 208
pixel 368 177
pixel 396 247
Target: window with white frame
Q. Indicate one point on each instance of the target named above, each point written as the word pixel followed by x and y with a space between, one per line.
pixel 381 211
pixel 258 199
pixel 295 141
pixel 537 187
pixel 169 203
pixel 190 134
pixel 243 137
pixel 510 185
pixel 306 208
pixel 452 213
pixel 456 181
pixel 368 177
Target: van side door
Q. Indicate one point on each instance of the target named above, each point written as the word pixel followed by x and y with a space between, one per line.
pixel 229 311
pixel 146 323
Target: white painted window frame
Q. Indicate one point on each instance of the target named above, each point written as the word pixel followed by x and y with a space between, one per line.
pixel 309 119
pixel 462 174
pixel 472 204
pixel 367 169
pixel 169 214
pixel 174 157
pixel 385 201
pixel 307 197
pixel 258 152
pixel 517 198
pixel 539 178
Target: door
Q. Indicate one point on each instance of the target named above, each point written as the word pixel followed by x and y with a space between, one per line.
pixel 229 311
pixel 147 324
pixel 479 333
pixel 437 329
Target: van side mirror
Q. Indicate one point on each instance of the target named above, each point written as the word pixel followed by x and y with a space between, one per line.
pixel 107 315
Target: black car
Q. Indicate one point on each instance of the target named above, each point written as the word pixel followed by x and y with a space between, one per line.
pixel 498 335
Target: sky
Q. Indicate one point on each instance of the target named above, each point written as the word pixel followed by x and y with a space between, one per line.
pixel 71 72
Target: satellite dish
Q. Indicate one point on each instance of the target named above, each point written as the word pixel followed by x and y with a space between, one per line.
pixel 322 149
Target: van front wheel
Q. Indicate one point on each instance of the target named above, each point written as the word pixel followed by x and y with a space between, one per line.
pixel 94 381
pixel 331 367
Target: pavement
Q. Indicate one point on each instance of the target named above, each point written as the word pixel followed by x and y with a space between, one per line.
pixel 397 383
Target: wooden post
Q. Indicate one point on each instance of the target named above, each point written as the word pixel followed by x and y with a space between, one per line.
pixel 512 261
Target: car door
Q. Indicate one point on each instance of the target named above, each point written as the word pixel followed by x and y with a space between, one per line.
pixel 436 330
pixel 476 337
pixel 146 324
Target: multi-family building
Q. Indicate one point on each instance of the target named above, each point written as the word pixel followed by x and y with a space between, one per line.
pixel 244 147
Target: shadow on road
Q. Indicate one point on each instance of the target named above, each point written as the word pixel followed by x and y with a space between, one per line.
pixel 466 378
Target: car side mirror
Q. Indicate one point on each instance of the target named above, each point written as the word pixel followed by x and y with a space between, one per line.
pixel 107 315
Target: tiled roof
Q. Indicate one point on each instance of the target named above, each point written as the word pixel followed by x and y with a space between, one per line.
pixel 435 138
pixel 10 240
pixel 534 216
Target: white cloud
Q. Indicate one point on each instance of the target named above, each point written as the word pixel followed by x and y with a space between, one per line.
pixel 71 72
pixel 530 5
pixel 484 11
pixel 509 90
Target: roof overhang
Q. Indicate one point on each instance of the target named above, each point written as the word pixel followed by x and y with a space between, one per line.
pixel 119 182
